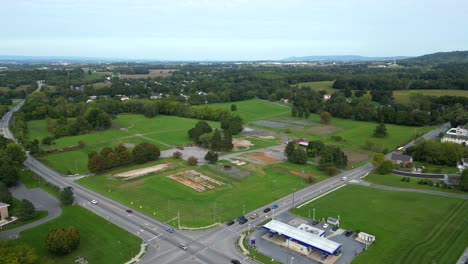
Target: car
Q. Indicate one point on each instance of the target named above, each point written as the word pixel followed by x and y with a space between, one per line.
pixel 243 221
pixel 170 230
pixel 183 246
pixel 253 216
pixel 129 211
pixel 348 233
pixel 235 261
pixel 266 210
pixel 230 223
pixel 344 178
pixel 335 228
pixel 325 225
pixel 94 201
pixel 240 218
pixel 315 222
pixel 69 188
pixel 180 147
pixel 275 206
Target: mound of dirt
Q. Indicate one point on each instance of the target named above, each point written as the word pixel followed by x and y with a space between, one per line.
pixel 144 171
pixel 303 175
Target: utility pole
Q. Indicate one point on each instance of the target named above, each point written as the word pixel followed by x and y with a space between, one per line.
pixel 314 213
pixel 293 197
pixel 178 218
pixel 214 212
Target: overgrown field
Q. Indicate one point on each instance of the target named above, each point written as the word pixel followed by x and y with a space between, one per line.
pixel 403 96
pixel 255 109
pixel 409 227
pixel 101 241
pixel 162 198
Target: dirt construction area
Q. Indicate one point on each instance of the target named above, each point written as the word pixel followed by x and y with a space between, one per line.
pixel 263 157
pixel 355 157
pixel 241 143
pixel 144 171
pixel 195 180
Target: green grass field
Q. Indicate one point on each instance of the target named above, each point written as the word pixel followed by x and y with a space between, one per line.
pixel 37 129
pixel 395 180
pixel 161 197
pixel 32 180
pixel 254 109
pixel 101 241
pixel 403 96
pixel 409 227
pixel 319 86
pixel 39 216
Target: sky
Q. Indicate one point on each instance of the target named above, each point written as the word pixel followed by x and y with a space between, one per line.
pixel 231 29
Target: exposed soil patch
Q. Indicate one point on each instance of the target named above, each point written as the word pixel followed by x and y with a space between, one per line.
pixel 129 145
pixel 255 132
pixel 355 157
pixel 263 157
pixel 303 175
pixel 324 129
pixel 274 124
pixel 144 171
pixel 195 180
pixel 241 143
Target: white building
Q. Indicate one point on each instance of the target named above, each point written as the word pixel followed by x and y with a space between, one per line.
pixel 457 135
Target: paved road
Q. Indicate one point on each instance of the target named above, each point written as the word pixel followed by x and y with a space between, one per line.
pixel 41 201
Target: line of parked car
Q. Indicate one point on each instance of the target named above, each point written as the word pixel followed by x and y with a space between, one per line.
pixel 242 219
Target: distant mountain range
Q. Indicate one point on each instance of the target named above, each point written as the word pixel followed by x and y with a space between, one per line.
pixel 440 57
pixel 343 58
pixel 57 59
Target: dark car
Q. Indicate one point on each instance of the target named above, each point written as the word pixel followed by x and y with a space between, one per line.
pixel 315 222
pixel 170 230
pixel 69 188
pixel 243 221
pixel 240 218
pixel 266 210
pixel 235 261
pixel 335 228
pixel 129 211
pixel 230 223
pixel 275 206
pixel 348 233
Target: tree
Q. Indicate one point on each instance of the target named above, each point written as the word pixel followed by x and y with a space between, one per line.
pixel 25 210
pixel 332 156
pixel 62 241
pixel 21 254
pixel 299 156
pixel 325 117
pixel 96 163
pixel 386 167
pixel 464 180
pixel 144 152
pixel 47 141
pixel 233 107
pixel 378 159
pixel 289 149
pixel 227 140
pixel 233 124
pixel 16 153
pixel 9 174
pixel 216 140
pixel 202 127
pixel 192 161
pixel 380 131
pixel 5 194
pixel 66 196
pixel 211 156
pixel 314 148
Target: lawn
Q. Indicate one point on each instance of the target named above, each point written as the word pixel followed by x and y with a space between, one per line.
pixel 101 241
pixel 407 230
pixel 403 96
pixel 395 180
pixel 37 129
pixel 319 86
pixel 254 109
pixel 32 180
pixel 162 198
pixel 432 168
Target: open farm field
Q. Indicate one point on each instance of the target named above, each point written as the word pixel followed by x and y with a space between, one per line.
pixel 161 197
pixel 409 227
pixel 403 96
pixel 395 181
pixel 319 86
pixel 354 134
pixel 254 109
pixel 37 129
pixel 101 241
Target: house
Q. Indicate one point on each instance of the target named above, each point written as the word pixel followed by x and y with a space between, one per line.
pixel 452 179
pixel 3 211
pixel 463 165
pixel 124 98
pixel 401 159
pixel 458 135
pixel 326 97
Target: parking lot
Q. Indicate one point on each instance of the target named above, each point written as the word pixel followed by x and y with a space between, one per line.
pixel 269 245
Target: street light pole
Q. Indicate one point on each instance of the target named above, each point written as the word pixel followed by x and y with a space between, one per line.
pixel 314 213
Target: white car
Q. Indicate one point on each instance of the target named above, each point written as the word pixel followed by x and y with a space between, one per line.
pixel 94 202
pixel 325 225
pixel 183 246
pixel 344 178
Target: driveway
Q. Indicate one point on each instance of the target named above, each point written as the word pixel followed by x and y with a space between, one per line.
pixel 41 200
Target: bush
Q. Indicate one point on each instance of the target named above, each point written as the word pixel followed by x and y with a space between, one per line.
pixel 192 161
pixel 211 156
pixel 337 138
pixel 25 210
pixel 63 240
pixel 177 154
pixel 66 196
